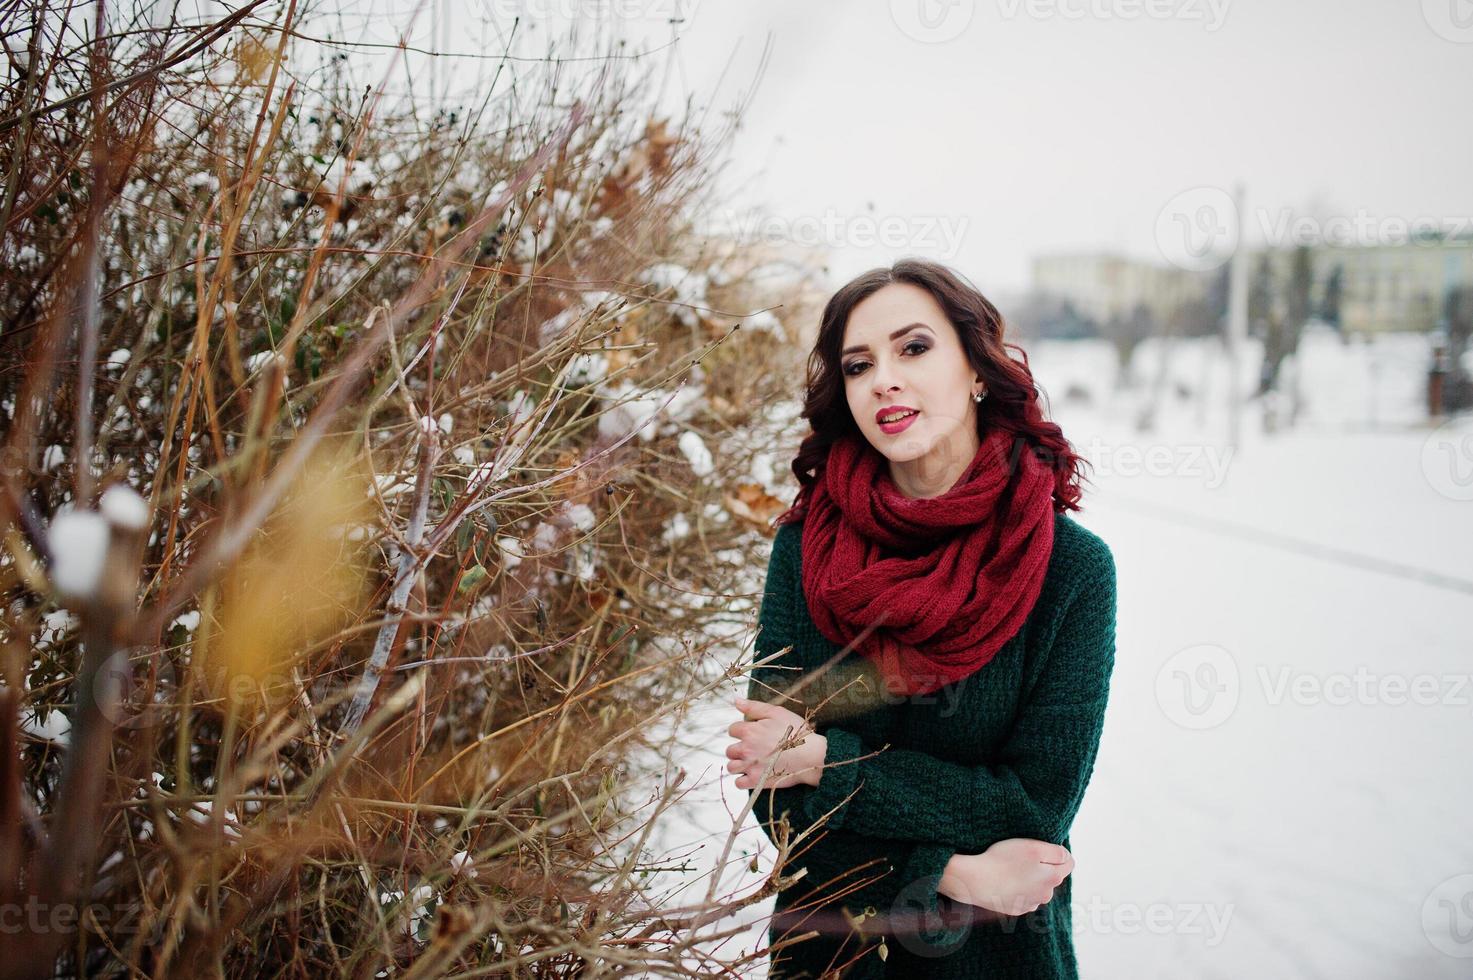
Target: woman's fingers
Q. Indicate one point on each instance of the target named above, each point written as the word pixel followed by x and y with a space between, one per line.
pixel 1062 869
pixel 757 709
pixel 749 767
pixel 775 780
pixel 1055 854
pixel 748 777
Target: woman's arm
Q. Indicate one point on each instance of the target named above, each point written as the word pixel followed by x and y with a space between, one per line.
pixel 1037 784
pixel 1012 877
pixel 974 878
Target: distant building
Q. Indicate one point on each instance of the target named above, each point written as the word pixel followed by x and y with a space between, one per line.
pixel 1106 285
pixel 1385 287
pixel 1382 288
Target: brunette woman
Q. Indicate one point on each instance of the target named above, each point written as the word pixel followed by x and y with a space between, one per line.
pixel 944 635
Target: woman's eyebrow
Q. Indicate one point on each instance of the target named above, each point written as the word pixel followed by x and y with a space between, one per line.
pixel 894 336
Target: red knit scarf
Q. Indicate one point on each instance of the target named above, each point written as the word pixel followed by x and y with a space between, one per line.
pixel 949 579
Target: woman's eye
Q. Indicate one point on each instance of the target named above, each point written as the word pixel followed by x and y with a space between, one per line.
pixel 854 367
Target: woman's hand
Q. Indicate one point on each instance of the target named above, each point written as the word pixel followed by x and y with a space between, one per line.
pixel 759 736
pixel 1013 876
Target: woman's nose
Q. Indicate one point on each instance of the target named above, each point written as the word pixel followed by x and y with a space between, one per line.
pixel 885 382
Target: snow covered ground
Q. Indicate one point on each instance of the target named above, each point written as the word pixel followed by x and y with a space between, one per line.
pixel 1283 788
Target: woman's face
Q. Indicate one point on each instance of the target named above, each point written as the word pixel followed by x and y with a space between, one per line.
pixel 900 350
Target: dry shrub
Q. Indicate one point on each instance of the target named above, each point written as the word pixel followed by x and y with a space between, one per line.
pixel 377 483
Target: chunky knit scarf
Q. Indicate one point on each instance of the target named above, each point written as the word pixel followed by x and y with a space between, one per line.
pixel 945 581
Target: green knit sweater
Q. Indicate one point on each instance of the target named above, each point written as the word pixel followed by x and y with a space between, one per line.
pixel 1006 752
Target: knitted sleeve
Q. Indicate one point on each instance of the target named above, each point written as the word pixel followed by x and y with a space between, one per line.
pixel 776 629
pixel 1037 782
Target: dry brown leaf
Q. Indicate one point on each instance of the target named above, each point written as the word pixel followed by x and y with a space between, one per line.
pixel 751 502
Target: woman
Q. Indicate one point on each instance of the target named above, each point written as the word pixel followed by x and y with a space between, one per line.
pixel 936 640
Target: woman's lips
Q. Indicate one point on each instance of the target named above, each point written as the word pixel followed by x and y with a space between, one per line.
pixel 891 428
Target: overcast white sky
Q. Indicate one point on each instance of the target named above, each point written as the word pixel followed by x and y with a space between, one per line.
pixel 1028 126
pixel 1056 132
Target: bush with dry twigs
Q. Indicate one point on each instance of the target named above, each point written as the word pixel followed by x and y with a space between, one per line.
pixel 376 483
